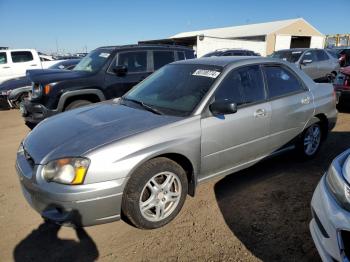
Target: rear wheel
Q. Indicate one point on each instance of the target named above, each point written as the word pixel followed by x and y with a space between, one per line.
pixel 310 141
pixel 155 193
pixel 76 104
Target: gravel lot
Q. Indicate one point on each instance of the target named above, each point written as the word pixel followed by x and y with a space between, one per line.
pixel 261 213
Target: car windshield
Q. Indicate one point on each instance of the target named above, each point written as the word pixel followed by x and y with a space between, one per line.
pixel 290 56
pixel 175 89
pixel 93 61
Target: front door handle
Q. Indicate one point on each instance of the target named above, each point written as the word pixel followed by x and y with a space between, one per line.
pixel 305 100
pixel 260 113
pixel 5 67
pixel 34 65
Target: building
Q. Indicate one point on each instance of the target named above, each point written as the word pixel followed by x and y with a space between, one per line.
pixel 263 38
pixel 337 40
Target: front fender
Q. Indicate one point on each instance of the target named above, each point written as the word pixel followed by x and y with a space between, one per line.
pixel 80 92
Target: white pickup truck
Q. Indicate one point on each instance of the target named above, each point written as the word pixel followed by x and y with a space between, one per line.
pixel 15 62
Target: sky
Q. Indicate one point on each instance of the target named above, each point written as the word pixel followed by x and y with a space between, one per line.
pixel 76 25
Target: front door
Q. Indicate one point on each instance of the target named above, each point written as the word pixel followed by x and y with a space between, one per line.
pixel 230 142
pixel 138 68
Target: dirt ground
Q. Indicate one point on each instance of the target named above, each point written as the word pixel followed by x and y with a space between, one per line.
pixel 261 213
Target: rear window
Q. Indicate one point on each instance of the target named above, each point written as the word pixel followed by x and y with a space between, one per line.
pixel 3 58
pixel 161 58
pixel 321 55
pixel 21 56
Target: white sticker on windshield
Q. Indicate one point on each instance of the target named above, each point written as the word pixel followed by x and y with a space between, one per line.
pixel 104 55
pixel 206 73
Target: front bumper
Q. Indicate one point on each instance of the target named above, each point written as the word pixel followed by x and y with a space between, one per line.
pixel 328 222
pixel 34 112
pixel 82 205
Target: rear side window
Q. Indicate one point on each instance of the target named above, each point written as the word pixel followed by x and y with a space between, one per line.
pixel 242 86
pixel 180 55
pixel 161 58
pixel 134 61
pixel 281 82
pixel 321 55
pixel 21 56
pixel 3 58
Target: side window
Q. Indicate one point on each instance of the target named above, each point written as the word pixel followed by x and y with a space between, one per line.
pixel 230 89
pixel 180 55
pixel 280 81
pixel 321 55
pixel 310 55
pixel 227 54
pixel 3 58
pixel 21 56
pixel 161 58
pixel 252 84
pixel 134 61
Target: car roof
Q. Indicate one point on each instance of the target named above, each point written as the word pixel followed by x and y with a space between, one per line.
pixel 224 61
pixel 145 46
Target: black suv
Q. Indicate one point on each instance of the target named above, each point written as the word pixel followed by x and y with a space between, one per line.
pixel 105 73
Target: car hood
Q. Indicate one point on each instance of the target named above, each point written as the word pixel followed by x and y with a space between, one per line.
pixel 53 75
pixel 15 83
pixel 76 132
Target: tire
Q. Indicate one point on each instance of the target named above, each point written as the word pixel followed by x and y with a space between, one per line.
pixel 76 104
pixel 164 202
pixel 310 141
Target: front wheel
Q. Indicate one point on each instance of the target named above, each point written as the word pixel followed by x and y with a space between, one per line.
pixel 155 193
pixel 310 141
pixel 76 104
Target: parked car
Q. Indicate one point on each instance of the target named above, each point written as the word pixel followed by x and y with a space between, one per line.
pixel 342 86
pixel 317 63
pixel 15 62
pixel 342 54
pixel 330 224
pixel 232 52
pixel 190 121
pixel 14 91
pixel 105 73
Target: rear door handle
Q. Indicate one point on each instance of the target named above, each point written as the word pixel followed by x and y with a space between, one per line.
pixel 305 100
pixel 5 67
pixel 34 65
pixel 260 113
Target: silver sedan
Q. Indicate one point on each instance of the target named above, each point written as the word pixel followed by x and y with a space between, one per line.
pixel 140 155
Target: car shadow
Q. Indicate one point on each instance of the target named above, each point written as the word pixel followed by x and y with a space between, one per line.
pixel 267 206
pixel 43 244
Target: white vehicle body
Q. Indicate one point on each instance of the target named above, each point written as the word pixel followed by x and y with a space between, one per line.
pixel 15 62
pixel 330 225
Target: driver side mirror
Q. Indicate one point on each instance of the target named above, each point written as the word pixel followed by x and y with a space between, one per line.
pixel 223 107
pixel 120 70
pixel 306 61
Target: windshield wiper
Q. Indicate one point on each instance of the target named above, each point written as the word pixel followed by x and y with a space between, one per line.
pixel 145 106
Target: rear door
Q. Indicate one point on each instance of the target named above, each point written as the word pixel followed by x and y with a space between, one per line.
pixel 325 65
pixel 230 141
pixel 291 104
pixel 161 58
pixel 138 68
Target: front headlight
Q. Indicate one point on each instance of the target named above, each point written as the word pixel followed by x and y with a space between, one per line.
pixel 36 90
pixel 70 171
pixel 338 183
